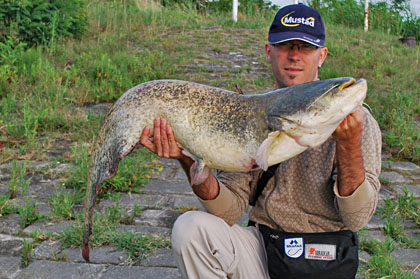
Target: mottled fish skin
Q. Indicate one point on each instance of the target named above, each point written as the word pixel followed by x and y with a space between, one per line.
pixel 222 128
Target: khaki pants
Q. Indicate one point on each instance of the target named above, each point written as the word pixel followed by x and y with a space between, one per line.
pixel 206 247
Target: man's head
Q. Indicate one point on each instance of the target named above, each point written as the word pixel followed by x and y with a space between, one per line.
pixel 295 45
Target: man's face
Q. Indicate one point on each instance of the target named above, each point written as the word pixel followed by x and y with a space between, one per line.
pixel 294 65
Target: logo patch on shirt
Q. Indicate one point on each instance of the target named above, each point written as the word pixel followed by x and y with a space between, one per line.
pixel 293 247
pixel 323 252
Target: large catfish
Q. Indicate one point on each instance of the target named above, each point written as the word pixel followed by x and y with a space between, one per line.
pixel 221 129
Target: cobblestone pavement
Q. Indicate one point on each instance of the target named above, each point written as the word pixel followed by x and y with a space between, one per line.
pixel 164 193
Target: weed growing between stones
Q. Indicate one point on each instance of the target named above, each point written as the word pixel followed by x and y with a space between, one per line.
pixel 62 206
pixel 28 212
pixel 382 264
pixel 133 172
pixel 406 206
pixel 18 180
pixel 27 252
pixel 7 206
pixel 396 214
pixel 106 232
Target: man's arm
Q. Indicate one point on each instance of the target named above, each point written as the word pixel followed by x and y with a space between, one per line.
pixel 358 168
pixel 351 172
pixel 165 145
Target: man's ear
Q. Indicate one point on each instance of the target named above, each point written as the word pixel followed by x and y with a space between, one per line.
pixel 322 56
pixel 268 52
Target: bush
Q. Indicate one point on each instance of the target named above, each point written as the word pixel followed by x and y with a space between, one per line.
pixel 40 22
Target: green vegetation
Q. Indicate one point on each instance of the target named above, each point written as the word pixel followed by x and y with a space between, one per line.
pixel 106 232
pixel 40 22
pixel 396 214
pixel 59 57
pixel 381 264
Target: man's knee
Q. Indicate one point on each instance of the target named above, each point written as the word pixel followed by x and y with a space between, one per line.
pixel 189 227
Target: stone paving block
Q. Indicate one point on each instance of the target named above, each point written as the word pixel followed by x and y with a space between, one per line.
pixel 375 223
pixel 9 266
pixel 44 190
pixel 4 176
pixel 166 187
pixel 141 272
pixel 47 250
pixel 363 257
pixel 414 233
pixel 375 235
pixel 404 166
pixel 4 190
pixel 415 176
pixel 44 226
pixel 188 201
pixel 408 257
pixel 61 168
pixel 61 270
pixel 163 257
pixel 31 164
pixel 384 193
pixel 142 200
pixel 166 173
pixel 411 189
pixel 9 224
pixel 99 255
pixel 157 218
pixel 11 245
pixel 393 177
pixel 158 231
pixel 180 175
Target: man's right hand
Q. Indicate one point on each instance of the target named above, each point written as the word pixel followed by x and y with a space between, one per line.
pixel 163 142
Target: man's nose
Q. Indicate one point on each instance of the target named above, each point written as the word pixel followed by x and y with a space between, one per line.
pixel 294 52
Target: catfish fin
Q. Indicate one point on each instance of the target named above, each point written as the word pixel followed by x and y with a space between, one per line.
pixel 199 172
pixel 265 148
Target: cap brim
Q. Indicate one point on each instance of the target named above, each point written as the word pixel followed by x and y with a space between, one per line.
pixel 275 38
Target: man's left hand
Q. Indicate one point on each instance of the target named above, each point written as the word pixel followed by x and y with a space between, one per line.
pixel 350 129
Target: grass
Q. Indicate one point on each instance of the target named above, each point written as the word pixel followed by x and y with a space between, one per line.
pixel 382 264
pixel 44 92
pixel 397 213
pixel 106 232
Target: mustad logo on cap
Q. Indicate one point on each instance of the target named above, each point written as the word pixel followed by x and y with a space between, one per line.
pixel 291 21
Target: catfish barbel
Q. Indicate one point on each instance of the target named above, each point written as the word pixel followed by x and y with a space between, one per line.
pixel 221 129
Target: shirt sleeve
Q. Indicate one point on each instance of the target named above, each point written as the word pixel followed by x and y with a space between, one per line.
pixel 357 209
pixel 233 198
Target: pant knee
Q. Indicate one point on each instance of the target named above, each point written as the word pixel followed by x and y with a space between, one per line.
pixel 187 228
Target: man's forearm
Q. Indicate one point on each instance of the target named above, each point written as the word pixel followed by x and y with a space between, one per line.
pixel 209 189
pixel 351 173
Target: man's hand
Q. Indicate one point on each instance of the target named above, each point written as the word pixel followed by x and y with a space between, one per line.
pixel 350 129
pixel 164 143
pixel 348 134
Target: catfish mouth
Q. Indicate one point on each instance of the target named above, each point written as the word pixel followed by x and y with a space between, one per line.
pixel 351 85
pixel 347 84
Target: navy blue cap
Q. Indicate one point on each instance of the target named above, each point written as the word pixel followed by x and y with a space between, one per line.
pixel 297 22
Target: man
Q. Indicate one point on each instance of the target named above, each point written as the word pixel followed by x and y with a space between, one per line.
pixel 330 188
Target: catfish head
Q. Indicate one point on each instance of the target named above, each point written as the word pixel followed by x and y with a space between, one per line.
pixel 306 115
